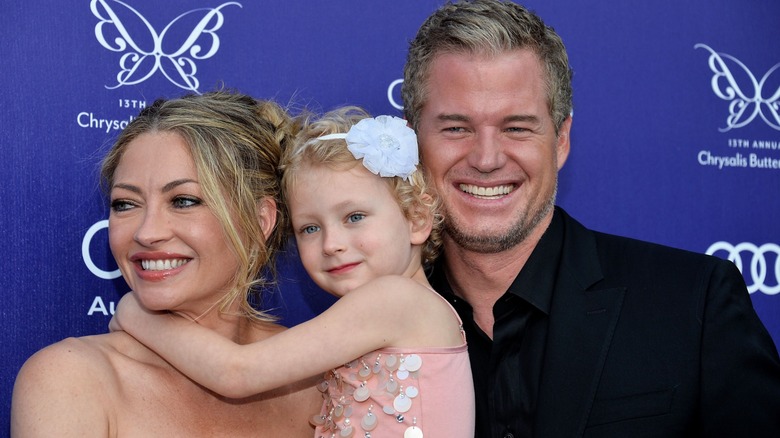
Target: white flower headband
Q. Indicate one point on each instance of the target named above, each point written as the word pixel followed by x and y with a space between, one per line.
pixel 386 144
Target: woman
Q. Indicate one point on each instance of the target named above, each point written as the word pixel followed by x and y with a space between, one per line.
pixel 195 218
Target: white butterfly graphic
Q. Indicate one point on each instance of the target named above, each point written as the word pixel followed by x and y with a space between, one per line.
pixel 743 107
pixel 142 57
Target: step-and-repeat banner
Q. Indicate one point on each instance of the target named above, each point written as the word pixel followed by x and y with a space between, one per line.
pixel 676 135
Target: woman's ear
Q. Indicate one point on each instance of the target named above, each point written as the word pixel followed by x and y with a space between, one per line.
pixel 266 215
pixel 420 221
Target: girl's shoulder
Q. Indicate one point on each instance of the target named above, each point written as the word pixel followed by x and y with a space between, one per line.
pixel 396 291
pixel 394 280
pixel 428 320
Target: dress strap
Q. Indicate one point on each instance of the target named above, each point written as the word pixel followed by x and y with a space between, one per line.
pixel 454 312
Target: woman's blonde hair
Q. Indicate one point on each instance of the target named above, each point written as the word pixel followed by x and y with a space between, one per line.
pixel 236 142
pixel 415 196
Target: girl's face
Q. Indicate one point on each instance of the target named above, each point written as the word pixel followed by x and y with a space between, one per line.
pixel 168 244
pixel 350 229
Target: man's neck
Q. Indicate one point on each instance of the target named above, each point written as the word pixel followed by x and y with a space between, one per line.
pixel 481 279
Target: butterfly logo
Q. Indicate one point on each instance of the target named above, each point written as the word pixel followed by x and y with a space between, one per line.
pixel 743 108
pixel 145 55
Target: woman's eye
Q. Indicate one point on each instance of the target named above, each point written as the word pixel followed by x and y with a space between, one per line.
pixel 185 202
pixel 309 229
pixel 355 217
pixel 119 205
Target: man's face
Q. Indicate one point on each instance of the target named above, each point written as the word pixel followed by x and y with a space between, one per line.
pixel 489 142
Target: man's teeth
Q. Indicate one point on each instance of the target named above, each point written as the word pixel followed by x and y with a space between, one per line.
pixel 162 265
pixel 486 192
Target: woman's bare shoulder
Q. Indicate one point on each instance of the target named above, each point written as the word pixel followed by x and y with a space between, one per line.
pixel 72 358
pixel 66 387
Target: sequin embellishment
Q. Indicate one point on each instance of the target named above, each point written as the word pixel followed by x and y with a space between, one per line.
pixel 379 388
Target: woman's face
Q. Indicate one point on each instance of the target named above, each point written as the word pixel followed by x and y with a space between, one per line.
pixel 168 244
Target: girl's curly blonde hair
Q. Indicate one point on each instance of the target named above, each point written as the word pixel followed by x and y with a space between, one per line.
pixel 416 196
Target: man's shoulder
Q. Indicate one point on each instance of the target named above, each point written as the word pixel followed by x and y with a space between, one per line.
pixel 624 246
pixel 627 256
pixel 632 250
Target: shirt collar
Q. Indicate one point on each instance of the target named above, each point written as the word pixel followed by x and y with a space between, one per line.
pixel 540 270
pixel 536 281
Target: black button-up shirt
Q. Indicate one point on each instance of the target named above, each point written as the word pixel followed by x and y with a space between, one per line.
pixel 508 368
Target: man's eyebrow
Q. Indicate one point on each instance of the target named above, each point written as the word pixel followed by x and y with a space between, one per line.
pixel 522 118
pixel 452 118
pixel 512 118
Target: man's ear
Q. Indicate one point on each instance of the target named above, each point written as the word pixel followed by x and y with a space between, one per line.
pixel 420 221
pixel 266 215
pixel 563 144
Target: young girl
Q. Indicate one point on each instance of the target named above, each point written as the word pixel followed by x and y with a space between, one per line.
pixel 365 222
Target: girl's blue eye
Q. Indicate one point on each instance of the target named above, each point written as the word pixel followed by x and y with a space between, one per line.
pixel 310 229
pixel 355 217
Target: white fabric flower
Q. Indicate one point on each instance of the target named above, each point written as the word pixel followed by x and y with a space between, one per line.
pixel 386 144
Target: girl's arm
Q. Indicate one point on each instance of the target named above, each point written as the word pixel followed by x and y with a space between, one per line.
pixel 373 316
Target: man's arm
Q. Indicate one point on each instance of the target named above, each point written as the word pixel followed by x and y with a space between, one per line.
pixel 740 383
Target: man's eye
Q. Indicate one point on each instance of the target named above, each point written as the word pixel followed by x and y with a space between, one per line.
pixel 517 129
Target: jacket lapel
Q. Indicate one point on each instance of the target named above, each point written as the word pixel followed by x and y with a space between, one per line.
pixel 582 320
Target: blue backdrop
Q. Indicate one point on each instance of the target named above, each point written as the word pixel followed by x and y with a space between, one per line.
pixel 676 135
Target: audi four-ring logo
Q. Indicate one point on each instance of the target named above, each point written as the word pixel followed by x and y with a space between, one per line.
pixel 760 259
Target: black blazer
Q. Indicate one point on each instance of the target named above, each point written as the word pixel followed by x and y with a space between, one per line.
pixel 650 341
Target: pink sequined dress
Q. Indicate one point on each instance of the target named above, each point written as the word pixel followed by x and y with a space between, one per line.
pixel 400 393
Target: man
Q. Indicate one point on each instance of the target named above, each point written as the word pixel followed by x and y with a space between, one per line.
pixel 571 332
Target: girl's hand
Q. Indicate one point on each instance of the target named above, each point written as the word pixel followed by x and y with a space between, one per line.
pixel 127 310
